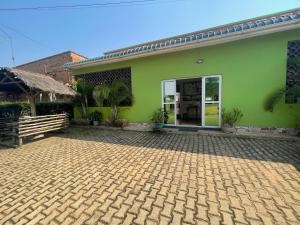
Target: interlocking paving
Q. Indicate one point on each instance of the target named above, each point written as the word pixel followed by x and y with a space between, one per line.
pixel 93 176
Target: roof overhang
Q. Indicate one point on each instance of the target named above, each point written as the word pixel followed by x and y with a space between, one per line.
pixel 259 31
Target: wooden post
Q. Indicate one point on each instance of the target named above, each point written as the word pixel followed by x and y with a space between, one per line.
pixel 32 105
pixel 20 143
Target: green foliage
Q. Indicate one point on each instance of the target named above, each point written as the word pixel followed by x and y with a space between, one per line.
pixel 84 91
pixel 212 87
pixel 276 96
pixel 231 118
pixel 158 116
pixel 114 95
pixel 100 93
pixel 17 109
pixel 14 109
pixel 96 116
pixel 51 108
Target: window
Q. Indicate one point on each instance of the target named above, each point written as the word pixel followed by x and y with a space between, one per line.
pixel 293 69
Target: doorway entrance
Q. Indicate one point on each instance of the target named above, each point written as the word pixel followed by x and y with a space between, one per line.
pixel 192 102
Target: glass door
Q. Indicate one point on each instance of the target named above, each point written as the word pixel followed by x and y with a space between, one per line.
pixel 211 103
pixel 168 101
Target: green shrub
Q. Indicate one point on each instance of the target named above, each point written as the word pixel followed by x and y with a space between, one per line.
pixel 14 109
pixel 50 108
pixel 17 109
pixel 231 118
pixel 158 116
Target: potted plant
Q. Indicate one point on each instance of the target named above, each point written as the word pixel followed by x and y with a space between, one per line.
pixel 158 119
pixel 117 93
pixel 96 117
pixel 230 119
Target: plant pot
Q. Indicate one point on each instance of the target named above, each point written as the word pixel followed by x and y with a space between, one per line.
pixel 119 123
pixel 228 129
pixel 95 123
pixel 158 125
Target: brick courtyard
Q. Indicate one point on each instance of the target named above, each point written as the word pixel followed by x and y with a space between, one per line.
pixel 115 177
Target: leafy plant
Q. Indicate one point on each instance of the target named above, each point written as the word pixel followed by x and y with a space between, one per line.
pixel 96 116
pixel 18 109
pixel 276 96
pixel 83 91
pixel 231 118
pixel 114 95
pixel 50 108
pixel 158 116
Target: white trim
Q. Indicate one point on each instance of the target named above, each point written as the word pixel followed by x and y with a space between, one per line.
pixel 201 43
pixel 170 103
pixel 203 103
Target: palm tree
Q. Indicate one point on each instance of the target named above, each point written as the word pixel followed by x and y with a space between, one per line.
pixel 83 91
pixel 114 95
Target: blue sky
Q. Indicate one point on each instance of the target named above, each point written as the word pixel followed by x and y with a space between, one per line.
pixel 91 32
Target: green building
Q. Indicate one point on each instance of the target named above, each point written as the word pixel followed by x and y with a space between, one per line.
pixel 193 76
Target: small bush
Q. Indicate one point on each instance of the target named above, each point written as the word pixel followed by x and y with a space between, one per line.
pixel 158 116
pixel 50 108
pixel 231 118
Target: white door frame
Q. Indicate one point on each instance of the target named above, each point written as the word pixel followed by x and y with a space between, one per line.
pixel 202 102
pixel 169 103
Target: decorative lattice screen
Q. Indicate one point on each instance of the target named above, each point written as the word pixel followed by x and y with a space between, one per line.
pixel 106 78
pixel 293 69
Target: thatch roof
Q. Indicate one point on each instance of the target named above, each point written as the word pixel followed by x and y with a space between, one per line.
pixel 32 81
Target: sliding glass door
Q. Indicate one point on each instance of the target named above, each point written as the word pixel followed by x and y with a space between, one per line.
pixel 211 101
pixel 168 101
pixel 207 102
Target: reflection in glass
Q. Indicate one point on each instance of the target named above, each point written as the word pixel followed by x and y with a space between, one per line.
pixel 169 87
pixel 169 99
pixel 212 114
pixel 212 89
pixel 169 113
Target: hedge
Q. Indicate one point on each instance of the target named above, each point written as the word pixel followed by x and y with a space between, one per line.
pixel 17 109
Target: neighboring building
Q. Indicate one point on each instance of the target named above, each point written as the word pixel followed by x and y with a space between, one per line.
pixel 53 66
pixel 193 76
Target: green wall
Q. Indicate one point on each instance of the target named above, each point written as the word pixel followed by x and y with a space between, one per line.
pixel 251 69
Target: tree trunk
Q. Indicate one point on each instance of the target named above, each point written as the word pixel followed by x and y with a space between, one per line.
pixel 32 106
pixel 84 113
pixel 114 112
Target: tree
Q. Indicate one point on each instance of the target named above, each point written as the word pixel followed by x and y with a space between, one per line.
pixel 114 95
pixel 83 91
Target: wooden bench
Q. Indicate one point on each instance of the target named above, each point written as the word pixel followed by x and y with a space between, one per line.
pixel 33 126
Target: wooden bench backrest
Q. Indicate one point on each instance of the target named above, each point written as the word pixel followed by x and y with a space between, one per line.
pixel 28 126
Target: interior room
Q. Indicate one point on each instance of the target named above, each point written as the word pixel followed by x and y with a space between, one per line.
pixel 188 101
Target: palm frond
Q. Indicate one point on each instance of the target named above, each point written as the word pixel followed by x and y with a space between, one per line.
pixel 100 93
pixel 273 99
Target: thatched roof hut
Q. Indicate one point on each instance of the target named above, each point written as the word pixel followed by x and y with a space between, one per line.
pixel 11 79
pixel 31 84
